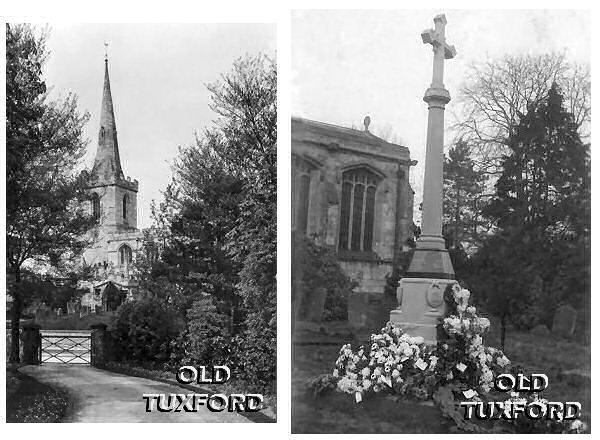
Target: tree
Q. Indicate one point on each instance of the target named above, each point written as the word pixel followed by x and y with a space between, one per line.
pixel 497 92
pixel 542 211
pixel 463 199
pixel 217 226
pixel 46 213
pixel 546 178
pixel 246 131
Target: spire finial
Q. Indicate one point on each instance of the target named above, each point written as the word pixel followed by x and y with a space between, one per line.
pixel 106 51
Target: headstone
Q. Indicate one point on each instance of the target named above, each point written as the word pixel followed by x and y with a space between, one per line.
pixel 315 304
pixel 565 319
pixel 540 330
pixel 59 312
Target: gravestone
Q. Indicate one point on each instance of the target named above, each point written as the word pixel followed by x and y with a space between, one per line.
pixel 540 330
pixel 565 319
pixel 314 305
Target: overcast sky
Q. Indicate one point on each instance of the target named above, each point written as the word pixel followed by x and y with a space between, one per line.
pixel 347 64
pixel 157 74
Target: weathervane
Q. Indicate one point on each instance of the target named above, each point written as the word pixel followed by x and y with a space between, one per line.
pixel 106 50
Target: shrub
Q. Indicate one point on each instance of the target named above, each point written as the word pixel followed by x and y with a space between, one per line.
pixel 206 340
pixel 255 355
pixel 144 329
pixel 317 267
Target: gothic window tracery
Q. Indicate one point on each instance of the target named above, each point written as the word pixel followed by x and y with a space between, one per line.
pixel 125 255
pixel 301 194
pixel 357 211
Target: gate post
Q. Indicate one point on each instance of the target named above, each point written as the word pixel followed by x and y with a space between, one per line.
pixel 32 344
pixel 98 345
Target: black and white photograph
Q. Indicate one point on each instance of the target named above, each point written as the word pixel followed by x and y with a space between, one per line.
pixel 270 220
pixel 141 222
pixel 441 221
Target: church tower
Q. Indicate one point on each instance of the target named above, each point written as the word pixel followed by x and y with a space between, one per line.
pixel 116 240
pixel 114 197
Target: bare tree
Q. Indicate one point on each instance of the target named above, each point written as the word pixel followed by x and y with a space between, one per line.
pixel 496 92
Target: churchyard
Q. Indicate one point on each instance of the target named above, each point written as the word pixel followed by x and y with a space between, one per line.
pixel 496 284
pixel 98 302
pixel 551 353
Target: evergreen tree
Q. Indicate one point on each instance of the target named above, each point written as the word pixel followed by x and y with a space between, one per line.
pixel 542 210
pixel 463 199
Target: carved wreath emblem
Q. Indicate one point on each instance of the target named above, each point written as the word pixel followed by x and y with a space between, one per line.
pixel 435 295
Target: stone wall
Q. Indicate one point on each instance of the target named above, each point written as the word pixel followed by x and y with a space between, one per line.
pixel 325 152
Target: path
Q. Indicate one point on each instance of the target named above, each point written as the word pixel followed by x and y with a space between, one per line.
pixel 103 396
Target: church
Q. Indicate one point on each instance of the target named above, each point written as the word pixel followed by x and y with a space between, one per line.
pixel 351 192
pixel 116 237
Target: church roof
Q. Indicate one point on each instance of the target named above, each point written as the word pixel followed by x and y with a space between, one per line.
pixel 308 130
pixel 107 164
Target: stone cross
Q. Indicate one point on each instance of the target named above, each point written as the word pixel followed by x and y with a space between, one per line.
pixel 442 50
pixel 437 97
pixel 420 294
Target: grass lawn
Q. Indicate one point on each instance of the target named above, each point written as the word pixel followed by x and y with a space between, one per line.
pixel 338 413
pixel 29 401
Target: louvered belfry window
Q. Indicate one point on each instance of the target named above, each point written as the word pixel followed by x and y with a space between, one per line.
pixel 96 207
pixel 357 213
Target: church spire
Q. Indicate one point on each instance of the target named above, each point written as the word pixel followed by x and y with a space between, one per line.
pixel 107 165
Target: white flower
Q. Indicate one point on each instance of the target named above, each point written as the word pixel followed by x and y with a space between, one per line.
pixel 503 361
pixel 432 362
pixel 366 372
pixel 366 384
pixel 419 340
pixel 345 384
pixel 471 310
pixel 335 373
pixel 377 372
pixel 487 376
pixel 578 426
pixel 395 374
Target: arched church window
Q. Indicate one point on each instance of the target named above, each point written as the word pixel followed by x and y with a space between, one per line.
pixel 357 211
pixel 125 255
pixel 96 207
pixel 301 194
pixel 125 202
